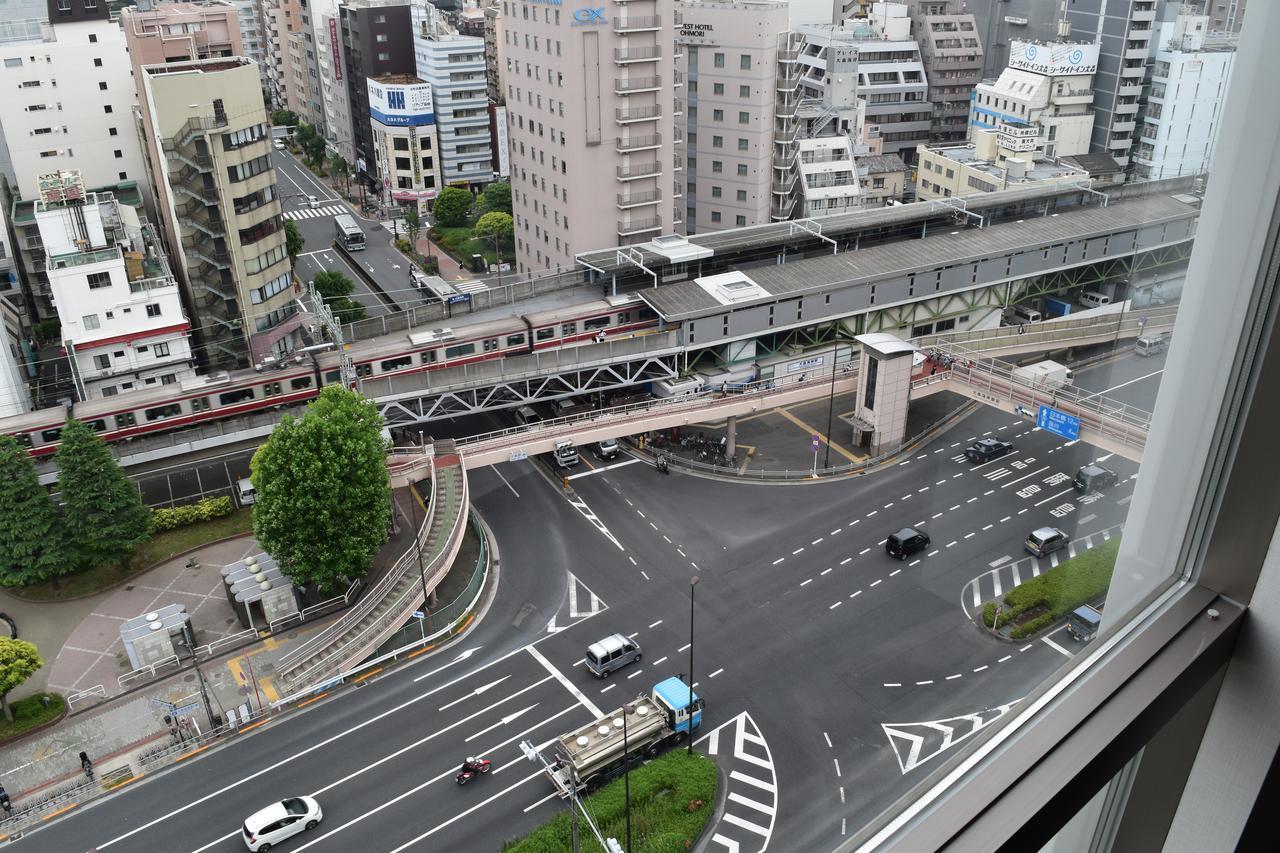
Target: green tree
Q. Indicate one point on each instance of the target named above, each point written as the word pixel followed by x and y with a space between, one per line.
pixel 105 518
pixel 293 241
pixel 412 226
pixel 19 660
pixel 347 310
pixel 497 229
pixel 332 285
pixel 339 167
pixel 452 207
pixel 32 535
pixel 312 145
pixel 323 492
pixel 284 118
pixel 495 198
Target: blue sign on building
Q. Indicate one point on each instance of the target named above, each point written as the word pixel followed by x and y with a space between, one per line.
pixel 1059 423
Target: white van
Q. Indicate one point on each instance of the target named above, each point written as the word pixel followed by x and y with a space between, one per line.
pixel 1020 314
pixel 1149 345
pixel 245 493
pixel 1093 299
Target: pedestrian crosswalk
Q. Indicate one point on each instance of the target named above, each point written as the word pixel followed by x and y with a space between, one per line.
pixel 312 212
pixel 1008 575
pixel 469 286
pixel 751 801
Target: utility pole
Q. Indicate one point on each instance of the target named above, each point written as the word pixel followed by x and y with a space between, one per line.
pixel 204 694
pixel 831 400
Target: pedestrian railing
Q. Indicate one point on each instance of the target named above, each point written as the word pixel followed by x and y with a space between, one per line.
pixel 148 671
pixel 97 690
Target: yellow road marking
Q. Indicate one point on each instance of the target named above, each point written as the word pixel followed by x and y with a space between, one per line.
pixel 812 431
pixel 315 698
pixel 370 674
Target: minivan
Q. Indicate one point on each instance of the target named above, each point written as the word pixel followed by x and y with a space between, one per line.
pixel 1045 540
pixel 1093 299
pixel 1149 345
pixel 613 652
pixel 1094 478
pixel 1020 314
pixel 313 202
pixel 526 415
pixel 906 542
pixel 245 493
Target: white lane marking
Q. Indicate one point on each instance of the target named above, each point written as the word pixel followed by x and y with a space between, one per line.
pixel 936 515
pixel 856 594
pixel 634 674
pixel 714 674
pixel 877 581
pixel 1000 562
pixel 1054 645
pixel 863 551
pixel 834 606
pixel 932 553
pixel 602 470
pixel 825 572
pixel 656 624
pixel 607 689
pixel 846 560
pixel 1005 658
pixel 751 780
pixel 895 571
pixel 981 668
pixel 746 801
pixel 952 677
pixel 797 551
pixel 504 480
pixel 566 683
pixel 923 683
pixel 1058 495
pixel 641 514
pixel 646 576
pixel 1020 479
pixel 460 815
pixel 816 541
pixel 729 817
pixel 779 560
pixel 477 692
pixel 893 684
pixel 827 737
pixel 807 582
pixel 659 661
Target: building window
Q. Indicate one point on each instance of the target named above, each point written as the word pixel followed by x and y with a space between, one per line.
pixel 717 166
pixel 384 56
pixel 102 85
pixel 744 91
pixel 102 362
pixel 718 60
pixel 743 145
pixel 98 279
pixel 717 115
pixel 717 142
pixel 380 37
pixel 742 195
pixel 106 108
pixel 715 216
pixel 742 170
pixel 740 221
pixel 717 88
pixel 744 117
pixel 716 192
pixel 97 63
pixel 90 322
pixel 161 350
pixel 153 309
pixel 744 62
pixel 93 38
pixel 111 131
pixel 119 154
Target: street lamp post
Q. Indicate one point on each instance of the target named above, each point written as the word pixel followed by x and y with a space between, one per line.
pixel 417 547
pixel 831 401
pixel 693 583
pixel 627 710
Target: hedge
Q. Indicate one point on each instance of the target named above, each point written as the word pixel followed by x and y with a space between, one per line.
pixel 1079 580
pixel 672 798
pixel 180 516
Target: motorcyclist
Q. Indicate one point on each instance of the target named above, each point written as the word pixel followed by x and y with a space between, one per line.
pixel 471 765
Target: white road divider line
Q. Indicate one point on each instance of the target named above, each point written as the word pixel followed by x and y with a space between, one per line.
pixel 566 683
pixel 1051 644
pixel 602 470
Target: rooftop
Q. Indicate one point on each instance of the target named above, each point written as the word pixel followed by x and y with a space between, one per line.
pixel 399 79
pixel 203 66
pixel 874 164
pixel 24 210
pixel 1037 170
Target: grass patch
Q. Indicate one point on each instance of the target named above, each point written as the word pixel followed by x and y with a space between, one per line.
pixel 157 549
pixel 459 243
pixel 672 798
pixel 1072 583
pixel 31 713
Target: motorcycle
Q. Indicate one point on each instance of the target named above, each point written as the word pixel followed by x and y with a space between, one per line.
pixel 662 466
pixel 471 769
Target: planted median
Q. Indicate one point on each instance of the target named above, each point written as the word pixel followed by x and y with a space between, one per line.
pixel 1041 601
pixel 672 798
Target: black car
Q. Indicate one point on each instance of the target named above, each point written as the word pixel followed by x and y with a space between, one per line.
pixel 906 542
pixel 986 449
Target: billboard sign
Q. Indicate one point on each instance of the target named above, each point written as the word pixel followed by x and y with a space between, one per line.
pixel 500 131
pixel 400 104
pixel 1053 58
pixel 333 46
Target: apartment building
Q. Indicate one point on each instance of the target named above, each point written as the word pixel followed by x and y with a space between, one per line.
pixel 406 152
pixel 15 390
pixel 882 178
pixel 280 19
pixel 253 38
pixel 177 32
pixel 208 138
pixel 68 102
pixel 492 76
pixel 951 51
pixel 1121 30
pixel 300 79
pixel 590 96
pixel 985 165
pixel 1225 16
pixel 1044 98
pixel 1189 82
pixel 454 68
pixel 891 79
pixel 731 51
pixel 330 101
pixel 123 324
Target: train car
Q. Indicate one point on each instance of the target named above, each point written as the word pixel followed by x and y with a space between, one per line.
pixel 426 349
pixel 584 323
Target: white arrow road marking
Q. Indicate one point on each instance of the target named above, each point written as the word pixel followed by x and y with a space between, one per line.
pixel 504 721
pixel 461 657
pixel 475 692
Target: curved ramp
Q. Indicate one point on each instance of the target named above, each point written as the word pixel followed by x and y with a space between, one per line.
pixel 390 602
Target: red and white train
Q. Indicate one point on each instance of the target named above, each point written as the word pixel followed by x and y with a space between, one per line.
pixel 227 395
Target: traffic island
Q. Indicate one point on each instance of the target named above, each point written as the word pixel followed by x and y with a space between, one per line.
pixel 1034 607
pixel 672 799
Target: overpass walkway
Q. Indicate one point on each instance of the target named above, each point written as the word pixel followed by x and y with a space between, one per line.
pixel 391 602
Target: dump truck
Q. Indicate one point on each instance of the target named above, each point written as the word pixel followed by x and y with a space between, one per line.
pixel 590 756
pixel 1044 374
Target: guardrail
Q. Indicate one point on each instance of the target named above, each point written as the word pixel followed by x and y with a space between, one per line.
pixel 148 670
pixel 80 695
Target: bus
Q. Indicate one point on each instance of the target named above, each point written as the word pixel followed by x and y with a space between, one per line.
pixel 349 234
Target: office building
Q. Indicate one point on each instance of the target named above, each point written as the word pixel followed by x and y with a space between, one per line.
pixel 300 78
pixel 590 97
pixel 731 53
pixel 891 79
pixel 1044 98
pixel 330 102
pixel 1225 16
pixel 122 322
pixel 985 165
pixel 377 41
pixel 176 32
pixel 1189 83
pixel 492 76
pixel 208 139
pixel 1121 30
pixel 951 51
pixel 406 153
pixel 15 389
pixel 68 102
pixel 280 20
pixel 1001 22
pixel 453 66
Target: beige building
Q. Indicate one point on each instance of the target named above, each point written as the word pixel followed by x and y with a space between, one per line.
pixel 730 52
pixel 882 178
pixel 176 32
pixel 590 94
pixel 984 166
pixel 280 20
pixel 208 140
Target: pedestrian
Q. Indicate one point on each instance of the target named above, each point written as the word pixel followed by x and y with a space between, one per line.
pixel 933 370
pixel 1022 329
pixel 600 336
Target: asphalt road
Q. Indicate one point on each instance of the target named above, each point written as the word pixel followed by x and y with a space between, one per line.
pixel 834 675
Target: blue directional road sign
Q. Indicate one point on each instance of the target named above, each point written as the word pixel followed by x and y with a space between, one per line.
pixel 1051 420
pixel 816 439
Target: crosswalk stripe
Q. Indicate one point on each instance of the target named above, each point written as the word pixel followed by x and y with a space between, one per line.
pixel 1053 560
pixel 729 843
pixel 747 801
pixel 471 286
pixel 1017 578
pixel 977 594
pixel 751 780
pixel 1035 567
pixel 745 824
pixel 995 579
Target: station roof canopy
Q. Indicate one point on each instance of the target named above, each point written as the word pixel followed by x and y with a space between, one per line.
pixel 691 299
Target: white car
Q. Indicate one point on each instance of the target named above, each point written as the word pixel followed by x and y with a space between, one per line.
pixel 278 821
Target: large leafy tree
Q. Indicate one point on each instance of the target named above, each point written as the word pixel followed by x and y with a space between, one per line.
pixel 452 207
pixel 495 226
pixel 284 117
pixel 412 226
pixel 19 660
pixel 496 198
pixel 324 495
pixel 336 289
pixel 293 241
pixel 32 536
pixel 105 516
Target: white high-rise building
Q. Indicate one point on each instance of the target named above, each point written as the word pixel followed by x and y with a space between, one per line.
pixel 332 108
pixel 454 66
pixel 1189 83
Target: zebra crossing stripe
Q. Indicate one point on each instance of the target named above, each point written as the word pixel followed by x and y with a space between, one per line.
pixel 745 824
pixel 747 801
pixel 995 579
pixel 751 780
pixel 729 843
pixel 1017 578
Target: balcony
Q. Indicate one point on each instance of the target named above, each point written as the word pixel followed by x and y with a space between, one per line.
pixel 1123 126
pixel 637 199
pixel 783 162
pixel 1137 52
pixel 1130 90
pixel 649 112
pixel 640 170
pixel 1127 109
pixel 1073 96
pixel 633 85
pixel 678 191
pixel 637 24
pixel 625 55
pixel 626 229
pixel 638 143
pixel 1133 72
pixel 1138 15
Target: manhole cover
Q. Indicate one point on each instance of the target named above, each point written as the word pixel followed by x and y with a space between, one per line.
pixel 189 677
pixel 128 588
pixel 231 621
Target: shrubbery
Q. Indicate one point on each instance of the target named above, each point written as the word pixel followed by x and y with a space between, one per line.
pixel 180 516
pixel 1077 581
